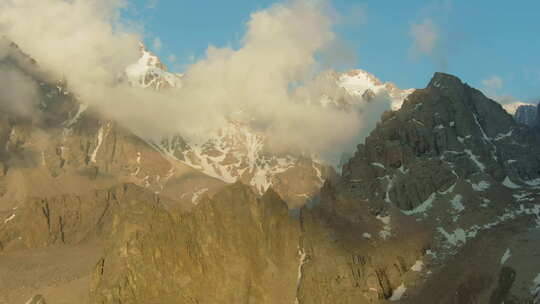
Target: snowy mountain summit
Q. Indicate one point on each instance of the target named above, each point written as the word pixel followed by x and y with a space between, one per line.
pixel 360 83
pixel 237 153
pixel 150 72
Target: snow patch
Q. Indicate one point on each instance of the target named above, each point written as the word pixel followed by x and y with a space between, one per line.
pixel 457 203
pixel 504 135
pixel 418 266
pixel 318 172
pixel 533 183
pixel 149 72
pixel 235 151
pixel 418 122
pixel 386 232
pixel 506 256
pixel 358 82
pixel 509 184
pixel 197 195
pixel 398 293
pixel 535 290
pixel 388 188
pixel 457 237
pixel 82 108
pixel 100 135
pixel 484 136
pixel 425 206
pixel 9 219
pixel 475 159
pixel 378 165
pixel 523 196
pixel 302 259
pixel 485 202
pixel 480 186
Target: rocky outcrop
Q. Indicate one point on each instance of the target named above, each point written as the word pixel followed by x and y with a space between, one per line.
pixel 444 132
pixel 232 248
pixel 67 219
pixel 354 254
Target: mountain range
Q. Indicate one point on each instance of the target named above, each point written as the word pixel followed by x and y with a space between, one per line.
pixel 439 203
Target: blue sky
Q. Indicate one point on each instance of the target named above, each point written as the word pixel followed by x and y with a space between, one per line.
pixel 476 40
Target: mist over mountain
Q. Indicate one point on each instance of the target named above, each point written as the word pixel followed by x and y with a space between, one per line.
pixel 279 49
pixel 256 175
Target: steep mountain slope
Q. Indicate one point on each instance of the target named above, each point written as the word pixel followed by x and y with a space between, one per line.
pixel 456 162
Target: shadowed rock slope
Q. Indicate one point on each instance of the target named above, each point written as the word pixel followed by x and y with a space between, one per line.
pixel 459 165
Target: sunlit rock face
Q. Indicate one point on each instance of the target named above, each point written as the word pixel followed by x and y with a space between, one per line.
pixel 232 248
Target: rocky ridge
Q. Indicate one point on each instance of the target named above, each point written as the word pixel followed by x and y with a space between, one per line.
pixel 458 163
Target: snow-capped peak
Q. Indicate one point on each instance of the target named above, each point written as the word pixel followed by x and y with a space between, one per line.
pixel 511 108
pixel 356 82
pixel 150 72
pixel 362 84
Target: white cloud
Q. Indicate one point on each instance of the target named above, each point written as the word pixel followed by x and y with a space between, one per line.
pixel 152 3
pixel 86 42
pixel 426 37
pixel 91 47
pixel 493 83
pixel 156 44
pixel 356 15
pixel 19 95
pixel 429 35
pixel 172 58
pixel 493 87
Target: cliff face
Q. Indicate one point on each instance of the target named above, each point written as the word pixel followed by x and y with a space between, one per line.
pixel 456 162
pixel 235 247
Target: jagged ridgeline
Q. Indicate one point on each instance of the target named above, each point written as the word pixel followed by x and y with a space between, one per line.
pixel 440 204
